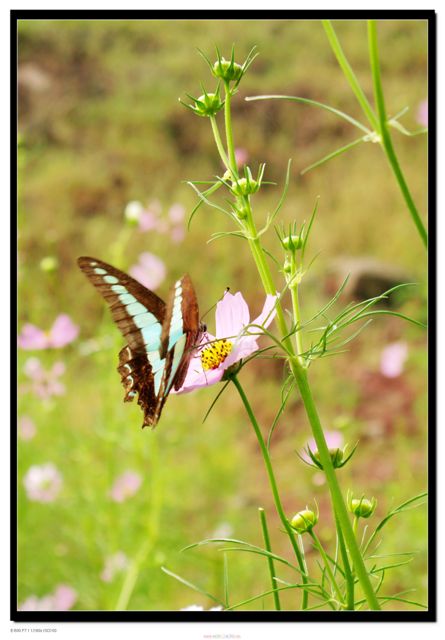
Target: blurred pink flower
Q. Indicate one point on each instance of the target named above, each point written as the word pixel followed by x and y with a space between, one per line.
pixel 422 113
pixel 125 486
pixel 334 440
pixel 232 343
pixel 150 270
pixel 27 428
pixel 62 599
pixel 61 333
pixel 42 483
pixel 393 358
pixel 44 383
pixel 177 234
pixel 147 221
pixel 176 213
pixel 241 156
pixel 114 564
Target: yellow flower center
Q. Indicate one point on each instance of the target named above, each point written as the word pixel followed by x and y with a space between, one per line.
pixel 213 355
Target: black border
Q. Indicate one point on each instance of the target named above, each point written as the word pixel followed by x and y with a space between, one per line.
pixel 240 616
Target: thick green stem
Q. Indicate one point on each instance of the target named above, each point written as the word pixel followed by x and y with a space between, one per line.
pixel 349 576
pixel 338 502
pixel 322 552
pixel 273 485
pixel 270 562
pixel 385 135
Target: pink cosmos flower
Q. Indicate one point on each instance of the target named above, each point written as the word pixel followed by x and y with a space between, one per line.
pixel 241 156
pixel 125 486
pixel 176 213
pixel 232 342
pixel 113 565
pixel 422 113
pixel 44 383
pixel 393 359
pixel 27 428
pixel 334 440
pixel 62 599
pixel 42 483
pixel 61 333
pixel 150 270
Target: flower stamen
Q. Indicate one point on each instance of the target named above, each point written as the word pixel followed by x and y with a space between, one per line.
pixel 215 354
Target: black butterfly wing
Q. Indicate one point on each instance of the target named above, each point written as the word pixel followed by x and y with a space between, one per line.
pixel 139 314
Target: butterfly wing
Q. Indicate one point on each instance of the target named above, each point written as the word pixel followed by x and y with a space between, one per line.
pixel 139 314
pixel 180 334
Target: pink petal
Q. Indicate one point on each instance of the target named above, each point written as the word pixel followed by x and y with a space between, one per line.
pixel 393 359
pixel 334 440
pixel 32 337
pixel 64 598
pixel 268 313
pixel 243 347
pixel 176 213
pixel 232 314
pixel 63 331
pixel 422 113
pixel 147 221
pixel 33 369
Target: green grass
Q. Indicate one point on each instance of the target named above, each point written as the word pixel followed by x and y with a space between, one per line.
pixel 107 129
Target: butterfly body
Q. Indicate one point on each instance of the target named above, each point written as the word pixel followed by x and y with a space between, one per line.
pixel 160 337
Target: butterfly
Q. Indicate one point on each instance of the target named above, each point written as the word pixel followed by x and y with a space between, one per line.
pixel 160 337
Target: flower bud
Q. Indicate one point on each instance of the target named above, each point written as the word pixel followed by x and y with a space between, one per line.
pixel 292 242
pixel 49 264
pixel 227 70
pixel 207 105
pixel 361 507
pixel 245 186
pixel 304 521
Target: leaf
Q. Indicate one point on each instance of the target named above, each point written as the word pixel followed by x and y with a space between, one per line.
pixel 333 154
pixel 191 585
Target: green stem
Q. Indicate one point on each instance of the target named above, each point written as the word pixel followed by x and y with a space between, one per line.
pixel 218 141
pixel 339 506
pixel 270 562
pixel 385 135
pixel 300 375
pixel 349 74
pixel 294 286
pixel 328 567
pixel 273 485
pixel 229 134
pixel 349 576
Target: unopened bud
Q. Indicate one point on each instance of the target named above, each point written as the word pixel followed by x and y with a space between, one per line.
pixel 304 521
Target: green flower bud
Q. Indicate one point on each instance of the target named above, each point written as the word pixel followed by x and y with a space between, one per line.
pixel 245 186
pixel 206 105
pixel 361 507
pixel 292 242
pixel 49 264
pixel 227 70
pixel 287 267
pixel 304 521
pixel 337 456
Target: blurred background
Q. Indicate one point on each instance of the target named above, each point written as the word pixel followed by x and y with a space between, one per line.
pixel 104 505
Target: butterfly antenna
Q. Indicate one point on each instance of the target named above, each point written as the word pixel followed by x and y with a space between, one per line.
pixel 226 290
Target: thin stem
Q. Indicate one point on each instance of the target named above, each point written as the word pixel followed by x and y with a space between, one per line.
pixel 270 562
pixel 273 484
pixel 385 135
pixel 218 141
pixel 349 576
pixel 229 134
pixel 328 567
pixel 294 287
pixel 349 74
